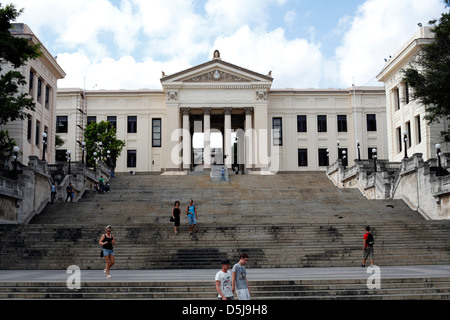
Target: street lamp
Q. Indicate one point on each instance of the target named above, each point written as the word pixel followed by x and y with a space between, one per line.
pixel 69 153
pixel 83 147
pixel 95 161
pixel 439 154
pixel 374 157
pixel 16 150
pixel 344 158
pixel 359 151
pixel 405 138
pixel 44 144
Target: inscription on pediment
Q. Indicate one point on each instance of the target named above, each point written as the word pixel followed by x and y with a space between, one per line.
pixel 217 75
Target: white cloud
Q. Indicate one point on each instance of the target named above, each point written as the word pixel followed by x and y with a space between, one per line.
pixel 378 30
pixel 176 34
pixel 294 63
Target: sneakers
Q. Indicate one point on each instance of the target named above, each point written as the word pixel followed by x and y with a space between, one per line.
pixel 108 276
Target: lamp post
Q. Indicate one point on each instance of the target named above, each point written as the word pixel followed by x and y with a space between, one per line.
pixel 100 146
pixel 344 158
pixel 16 150
pixel 439 154
pixel 328 156
pixel 337 142
pixel 83 147
pixel 359 151
pixel 405 138
pixel 374 157
pixel 95 161
pixel 44 144
pixel 69 154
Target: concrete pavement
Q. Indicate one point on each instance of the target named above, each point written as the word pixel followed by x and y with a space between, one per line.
pixel 389 272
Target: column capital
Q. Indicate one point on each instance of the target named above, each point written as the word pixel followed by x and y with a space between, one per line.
pixel 185 110
pixel 227 110
pixel 248 110
pixel 207 110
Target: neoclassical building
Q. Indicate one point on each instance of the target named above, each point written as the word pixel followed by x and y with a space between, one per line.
pixel 406 116
pixel 221 113
pixel 41 75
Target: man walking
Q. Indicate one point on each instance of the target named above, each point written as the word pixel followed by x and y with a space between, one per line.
pixel 239 278
pixel 368 247
pixel 223 282
pixel 191 212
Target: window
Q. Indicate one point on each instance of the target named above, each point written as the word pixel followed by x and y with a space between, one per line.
pixel 91 119
pixel 399 139
pixel 37 138
pixel 371 122
pixel 31 83
pixel 323 158
pixel 406 93
pixel 277 127
pixel 30 128
pixel 418 130
pixel 132 124
pixel 112 121
pixel 342 123
pixel 396 98
pixel 39 92
pixel 131 158
pixel 302 157
pixel 60 155
pixel 301 124
pixel 47 97
pixel 156 132
pixel 61 124
pixel 408 128
pixel 321 123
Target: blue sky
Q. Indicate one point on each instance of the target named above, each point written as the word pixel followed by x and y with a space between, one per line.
pixel 126 44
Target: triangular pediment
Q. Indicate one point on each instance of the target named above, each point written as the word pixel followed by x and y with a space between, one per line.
pixel 216 71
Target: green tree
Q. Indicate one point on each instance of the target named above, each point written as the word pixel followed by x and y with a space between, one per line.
pixel 105 133
pixel 16 52
pixel 429 74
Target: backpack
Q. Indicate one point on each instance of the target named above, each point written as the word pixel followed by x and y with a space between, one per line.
pixel 370 240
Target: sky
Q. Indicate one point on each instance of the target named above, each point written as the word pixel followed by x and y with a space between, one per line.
pixel 127 44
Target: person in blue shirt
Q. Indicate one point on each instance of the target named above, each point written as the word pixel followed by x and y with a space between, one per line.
pixel 191 212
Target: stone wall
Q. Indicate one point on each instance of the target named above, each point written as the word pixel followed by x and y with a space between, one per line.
pixel 414 181
pixel 28 192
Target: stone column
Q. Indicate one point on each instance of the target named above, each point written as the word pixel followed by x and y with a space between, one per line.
pixel 227 138
pixel 186 140
pixel 207 138
pixel 248 138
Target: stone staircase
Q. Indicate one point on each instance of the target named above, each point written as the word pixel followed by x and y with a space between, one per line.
pixel 281 221
pixel 392 289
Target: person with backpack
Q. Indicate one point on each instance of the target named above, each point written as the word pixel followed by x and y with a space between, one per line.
pixel 368 247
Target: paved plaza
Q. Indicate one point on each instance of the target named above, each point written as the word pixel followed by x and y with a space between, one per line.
pixel 336 273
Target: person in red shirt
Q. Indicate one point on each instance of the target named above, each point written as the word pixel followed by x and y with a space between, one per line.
pixel 368 247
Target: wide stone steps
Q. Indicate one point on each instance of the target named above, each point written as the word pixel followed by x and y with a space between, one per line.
pixel 155 246
pixel 398 289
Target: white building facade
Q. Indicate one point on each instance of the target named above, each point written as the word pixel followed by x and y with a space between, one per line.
pixel 220 113
pixel 41 75
pixel 406 116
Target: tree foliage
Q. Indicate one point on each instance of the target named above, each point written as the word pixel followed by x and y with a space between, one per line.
pixel 105 133
pixel 429 75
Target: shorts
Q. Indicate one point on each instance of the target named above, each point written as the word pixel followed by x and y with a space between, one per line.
pixel 192 220
pixel 108 252
pixel 368 253
pixel 243 294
